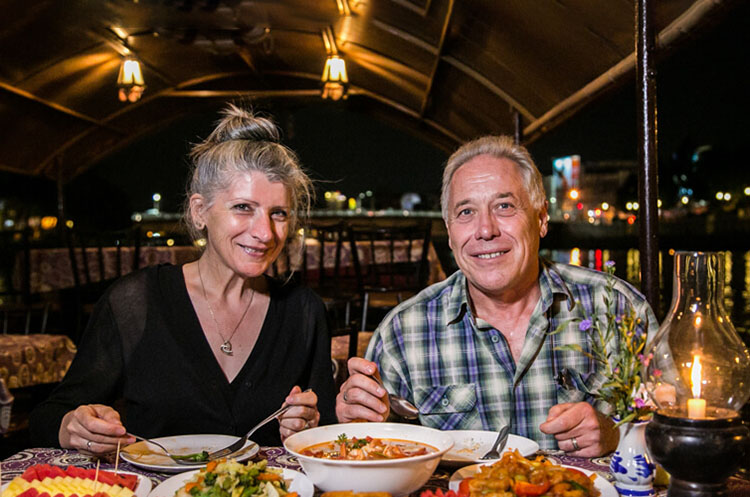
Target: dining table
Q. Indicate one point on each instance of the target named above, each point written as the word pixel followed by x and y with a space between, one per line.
pixel 17 463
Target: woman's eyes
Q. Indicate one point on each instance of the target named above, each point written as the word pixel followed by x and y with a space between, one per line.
pixel 280 215
pixel 277 214
pixel 243 207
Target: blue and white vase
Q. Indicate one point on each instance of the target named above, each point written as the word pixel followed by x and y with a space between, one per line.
pixel 630 464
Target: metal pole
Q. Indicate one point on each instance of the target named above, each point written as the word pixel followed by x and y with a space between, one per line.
pixel 518 123
pixel 648 190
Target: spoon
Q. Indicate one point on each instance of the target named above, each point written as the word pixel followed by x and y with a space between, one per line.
pixel 190 459
pixel 499 445
pixel 399 405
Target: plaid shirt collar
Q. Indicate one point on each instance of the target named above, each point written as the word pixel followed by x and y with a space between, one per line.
pixel 551 285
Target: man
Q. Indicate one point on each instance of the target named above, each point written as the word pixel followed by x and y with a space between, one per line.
pixel 476 351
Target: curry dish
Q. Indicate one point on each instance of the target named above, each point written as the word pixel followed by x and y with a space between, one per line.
pixel 515 476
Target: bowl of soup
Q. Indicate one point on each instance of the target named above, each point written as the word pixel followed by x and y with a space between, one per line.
pixel 369 457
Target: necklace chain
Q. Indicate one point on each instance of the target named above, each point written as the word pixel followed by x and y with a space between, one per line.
pixel 226 346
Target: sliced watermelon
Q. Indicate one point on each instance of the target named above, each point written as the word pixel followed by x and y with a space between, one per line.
pixel 56 471
pixel 30 474
pixel 127 481
pixel 31 492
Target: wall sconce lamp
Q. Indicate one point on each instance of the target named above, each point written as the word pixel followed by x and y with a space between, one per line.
pixel 335 79
pixel 130 81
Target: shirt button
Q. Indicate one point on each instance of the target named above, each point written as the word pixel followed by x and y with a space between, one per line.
pixel 495 338
pixel 444 401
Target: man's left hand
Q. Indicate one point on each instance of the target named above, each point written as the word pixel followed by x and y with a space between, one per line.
pixel 581 430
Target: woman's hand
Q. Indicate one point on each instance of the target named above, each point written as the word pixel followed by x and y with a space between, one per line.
pixel 93 429
pixel 303 415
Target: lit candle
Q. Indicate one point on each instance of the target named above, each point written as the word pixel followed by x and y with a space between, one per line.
pixel 696 406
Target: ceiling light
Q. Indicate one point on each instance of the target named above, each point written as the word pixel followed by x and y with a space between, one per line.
pixel 130 81
pixel 335 80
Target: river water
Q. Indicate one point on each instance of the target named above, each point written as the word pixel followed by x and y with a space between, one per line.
pixel 627 267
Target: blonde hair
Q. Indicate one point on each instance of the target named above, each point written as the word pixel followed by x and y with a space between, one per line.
pixel 243 143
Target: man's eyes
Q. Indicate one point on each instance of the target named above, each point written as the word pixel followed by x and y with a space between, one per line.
pixel 505 208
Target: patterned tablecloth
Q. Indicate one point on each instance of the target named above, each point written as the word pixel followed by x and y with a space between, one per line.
pixel 27 360
pixel 277 456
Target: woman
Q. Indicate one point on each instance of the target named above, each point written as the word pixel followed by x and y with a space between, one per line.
pixel 213 346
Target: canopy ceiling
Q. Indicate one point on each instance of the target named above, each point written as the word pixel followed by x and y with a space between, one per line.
pixel 451 70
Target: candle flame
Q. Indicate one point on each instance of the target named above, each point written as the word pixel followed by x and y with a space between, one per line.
pixel 695 376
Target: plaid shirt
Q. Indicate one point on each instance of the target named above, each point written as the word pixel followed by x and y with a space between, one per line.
pixel 460 372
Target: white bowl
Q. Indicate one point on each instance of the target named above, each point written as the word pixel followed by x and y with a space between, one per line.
pixel 396 476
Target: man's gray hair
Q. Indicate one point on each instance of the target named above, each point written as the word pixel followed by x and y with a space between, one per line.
pixel 501 147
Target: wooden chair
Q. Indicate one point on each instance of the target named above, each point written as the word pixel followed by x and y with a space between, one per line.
pixel 88 253
pixel 317 260
pixel 20 311
pixel 390 264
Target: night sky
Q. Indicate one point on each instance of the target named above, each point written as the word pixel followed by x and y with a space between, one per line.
pixel 702 100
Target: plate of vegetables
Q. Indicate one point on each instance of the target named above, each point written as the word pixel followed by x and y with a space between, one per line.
pixel 229 478
pixel 523 477
pixel 191 447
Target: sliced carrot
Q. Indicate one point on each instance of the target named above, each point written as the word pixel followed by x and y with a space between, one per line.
pixel 211 466
pixel 268 477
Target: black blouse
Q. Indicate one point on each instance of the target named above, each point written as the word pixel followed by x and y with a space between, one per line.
pixel 144 351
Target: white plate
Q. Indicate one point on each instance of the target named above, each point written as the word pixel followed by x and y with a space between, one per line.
pixel 600 483
pixel 300 484
pixel 155 460
pixel 470 445
pixel 141 490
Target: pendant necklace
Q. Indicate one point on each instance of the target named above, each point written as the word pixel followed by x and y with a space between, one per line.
pixel 226 346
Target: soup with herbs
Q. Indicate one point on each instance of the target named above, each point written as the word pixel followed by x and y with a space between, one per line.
pixel 367 449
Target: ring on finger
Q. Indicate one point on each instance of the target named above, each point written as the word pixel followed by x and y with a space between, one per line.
pixel 575 443
pixel 345 399
pixel 88 445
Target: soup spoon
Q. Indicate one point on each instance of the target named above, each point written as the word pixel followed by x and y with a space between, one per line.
pixel 399 405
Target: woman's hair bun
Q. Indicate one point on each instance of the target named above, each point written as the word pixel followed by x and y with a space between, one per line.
pixel 242 124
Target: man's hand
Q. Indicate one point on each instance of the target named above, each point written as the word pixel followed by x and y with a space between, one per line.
pixel 360 397
pixel 93 429
pixel 581 430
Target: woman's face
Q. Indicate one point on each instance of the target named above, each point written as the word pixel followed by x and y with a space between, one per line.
pixel 247 223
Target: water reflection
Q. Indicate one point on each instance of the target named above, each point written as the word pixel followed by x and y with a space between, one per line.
pixel 628 266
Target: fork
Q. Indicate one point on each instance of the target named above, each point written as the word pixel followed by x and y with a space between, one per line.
pixel 230 449
pixel 499 445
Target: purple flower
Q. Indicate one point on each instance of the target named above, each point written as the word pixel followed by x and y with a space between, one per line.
pixel 639 403
pixel 585 325
pixel 610 264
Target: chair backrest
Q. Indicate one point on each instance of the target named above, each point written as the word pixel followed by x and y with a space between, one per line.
pixel 391 258
pixel 15 266
pixel 317 259
pixel 20 310
pixel 98 256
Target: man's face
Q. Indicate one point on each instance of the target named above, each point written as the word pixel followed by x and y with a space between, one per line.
pixel 493 230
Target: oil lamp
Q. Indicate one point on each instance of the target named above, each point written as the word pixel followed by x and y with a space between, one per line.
pixel 698 374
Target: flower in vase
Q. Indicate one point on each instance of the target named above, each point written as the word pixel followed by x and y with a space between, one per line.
pixel 617 344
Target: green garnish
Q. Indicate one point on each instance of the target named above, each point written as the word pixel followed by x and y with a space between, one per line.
pixel 197 457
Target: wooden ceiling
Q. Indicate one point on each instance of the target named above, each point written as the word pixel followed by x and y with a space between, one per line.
pixel 451 70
